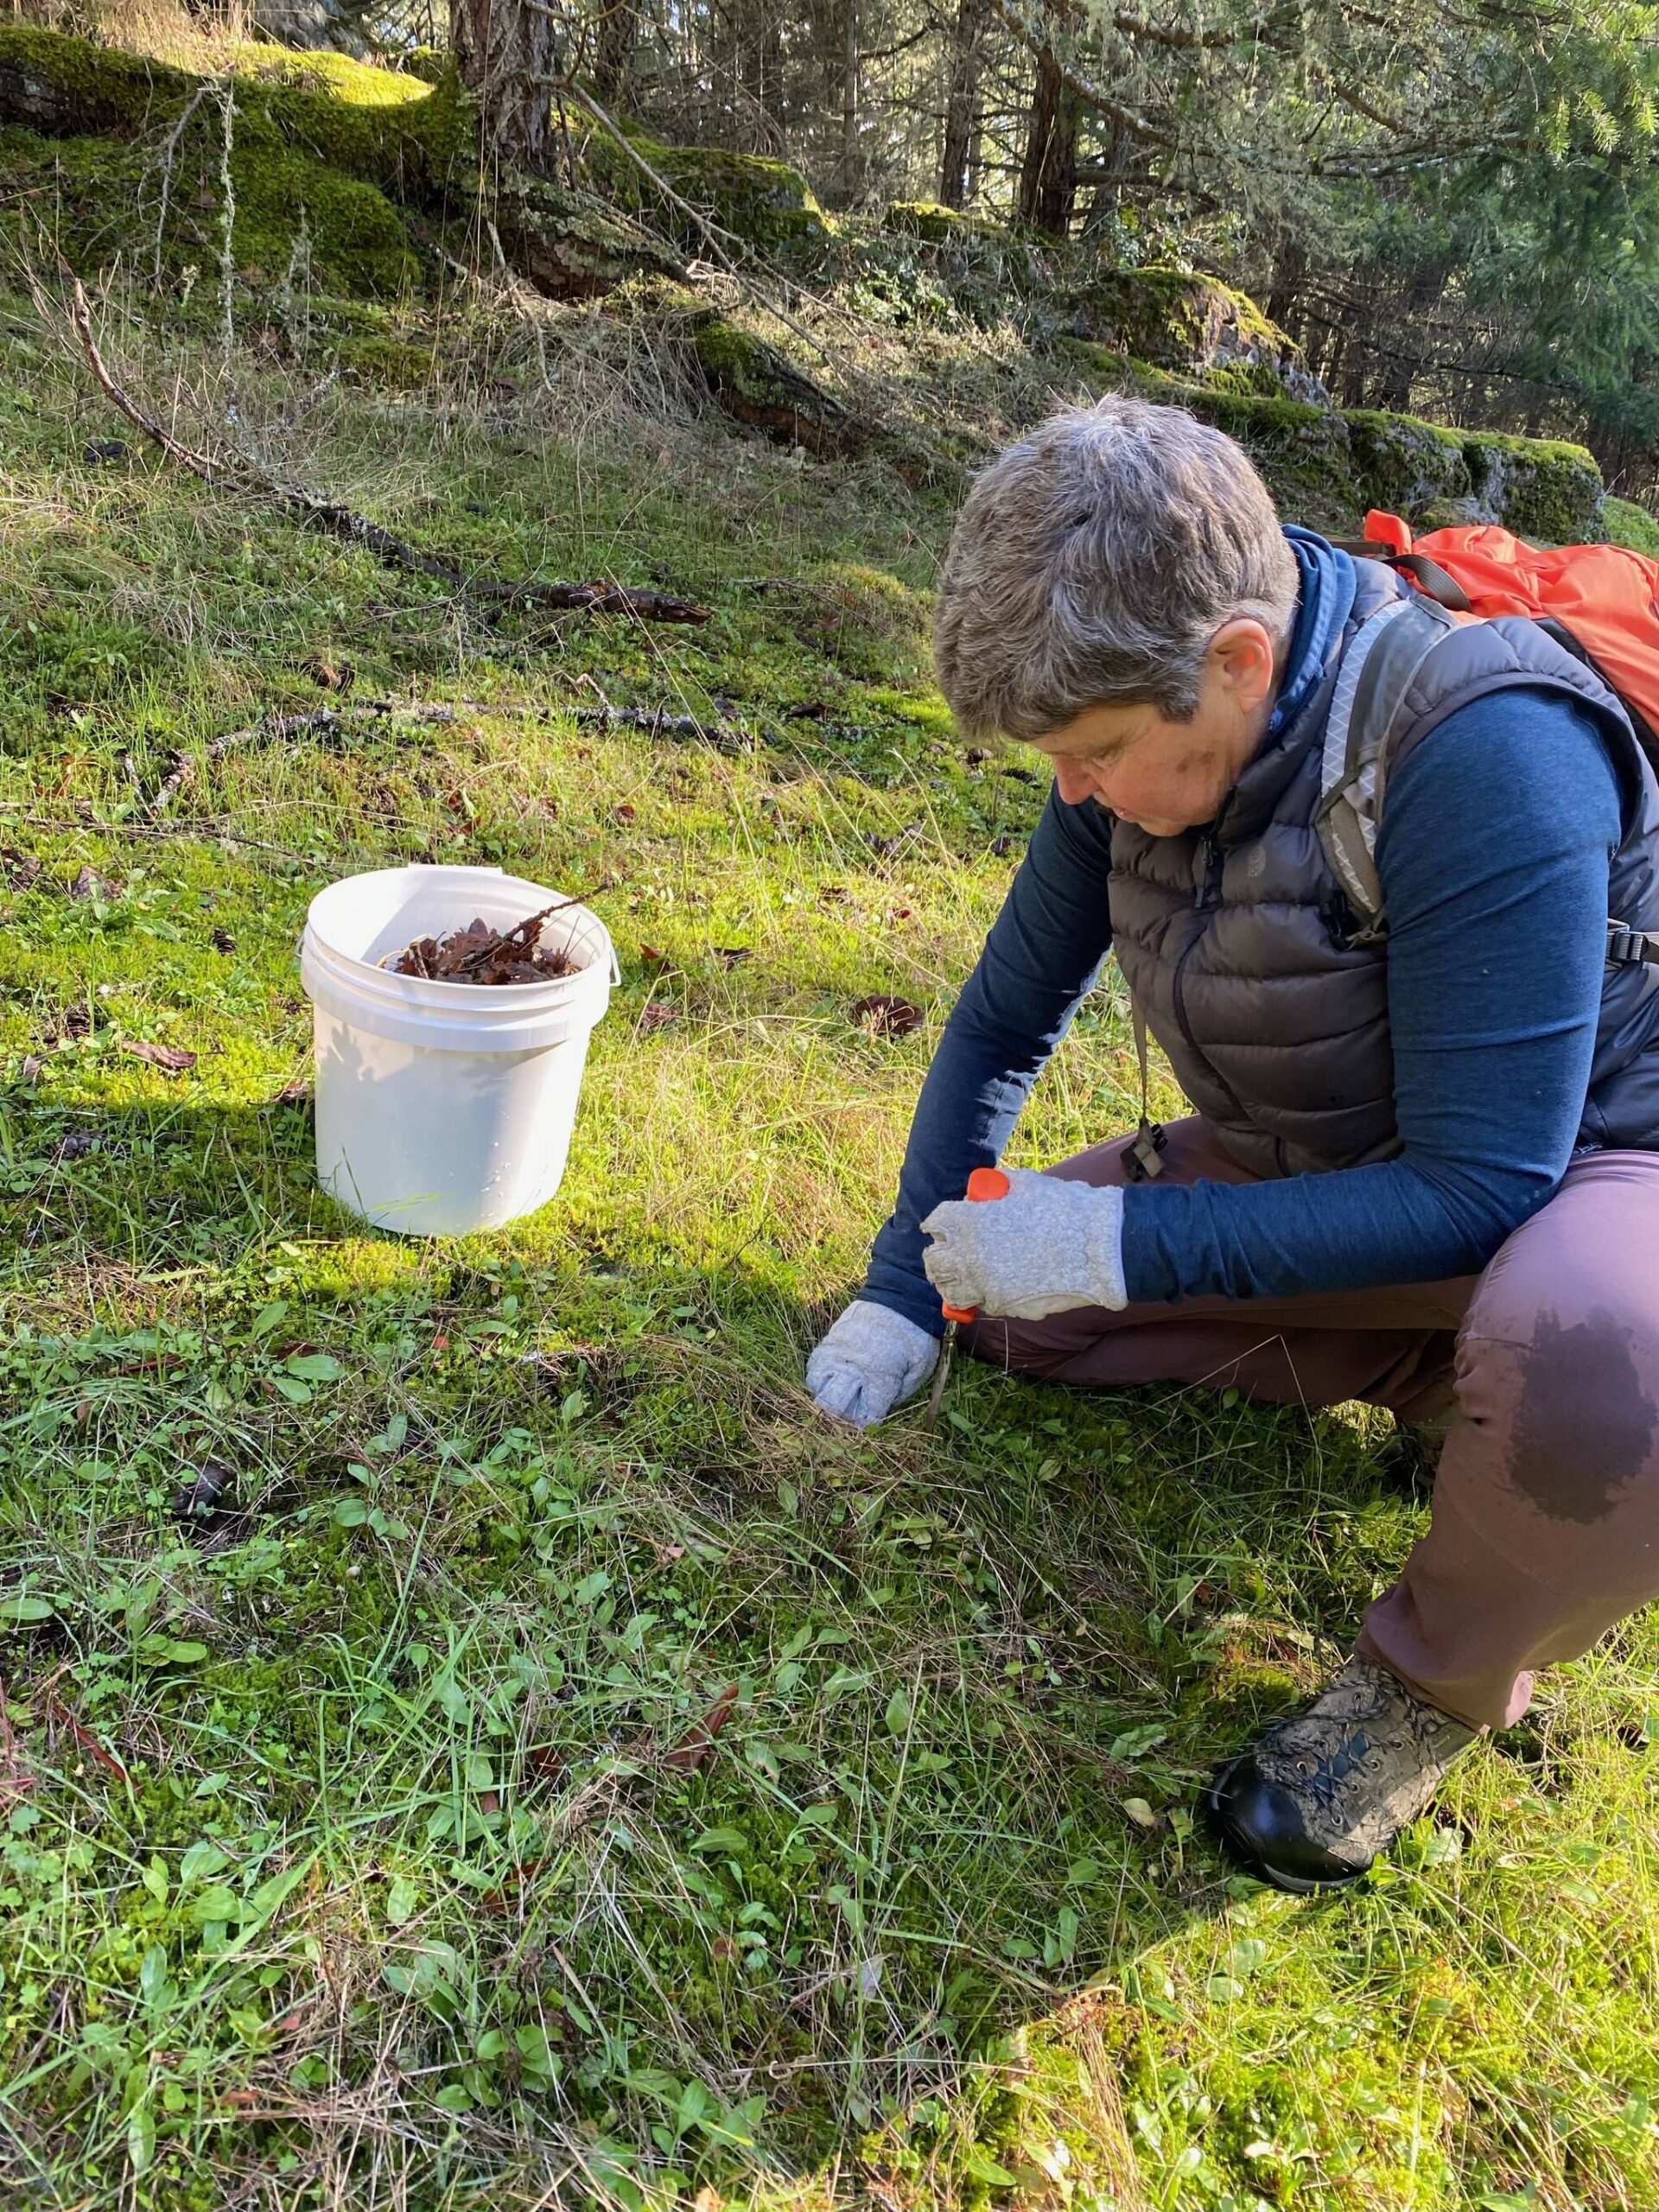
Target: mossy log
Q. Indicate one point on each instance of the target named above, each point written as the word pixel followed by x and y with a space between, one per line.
pixel 757 387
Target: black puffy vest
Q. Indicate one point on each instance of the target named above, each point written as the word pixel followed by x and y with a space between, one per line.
pixel 1236 940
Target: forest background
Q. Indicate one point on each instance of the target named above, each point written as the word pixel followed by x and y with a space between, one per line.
pixel 1451 205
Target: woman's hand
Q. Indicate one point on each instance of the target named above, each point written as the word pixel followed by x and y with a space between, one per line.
pixel 1050 1245
pixel 869 1362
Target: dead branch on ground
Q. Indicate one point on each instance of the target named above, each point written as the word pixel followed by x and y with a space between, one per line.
pixel 236 474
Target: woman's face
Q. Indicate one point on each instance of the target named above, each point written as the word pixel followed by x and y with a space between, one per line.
pixel 1167 776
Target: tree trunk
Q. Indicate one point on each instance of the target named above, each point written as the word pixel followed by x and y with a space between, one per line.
pixel 507 52
pixel 1109 175
pixel 849 175
pixel 1289 275
pixel 757 28
pixel 613 50
pixel 1048 174
pixel 962 102
pixel 1423 287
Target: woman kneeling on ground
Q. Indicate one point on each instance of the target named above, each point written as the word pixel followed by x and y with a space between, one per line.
pixel 1424 1167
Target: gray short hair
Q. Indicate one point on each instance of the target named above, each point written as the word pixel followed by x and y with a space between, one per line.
pixel 1093 561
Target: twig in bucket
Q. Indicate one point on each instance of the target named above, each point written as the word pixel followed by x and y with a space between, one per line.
pixel 529 929
pixel 480 955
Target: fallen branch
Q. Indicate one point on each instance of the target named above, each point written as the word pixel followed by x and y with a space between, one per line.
pixel 657 721
pixel 315 512
pixel 277 727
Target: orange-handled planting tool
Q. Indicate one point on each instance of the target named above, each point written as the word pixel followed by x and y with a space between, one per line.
pixel 984 1185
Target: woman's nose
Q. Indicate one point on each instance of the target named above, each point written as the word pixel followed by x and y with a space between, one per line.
pixel 1074 781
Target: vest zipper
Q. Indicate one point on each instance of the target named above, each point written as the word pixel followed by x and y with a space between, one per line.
pixel 1209 894
pixel 1209 875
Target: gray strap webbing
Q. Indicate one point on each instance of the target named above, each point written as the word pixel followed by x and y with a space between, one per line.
pixel 1141 1157
pixel 1377 672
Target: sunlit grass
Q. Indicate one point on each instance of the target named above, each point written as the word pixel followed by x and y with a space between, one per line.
pixel 567 1771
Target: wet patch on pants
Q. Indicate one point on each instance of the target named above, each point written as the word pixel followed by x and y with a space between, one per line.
pixel 1585 1427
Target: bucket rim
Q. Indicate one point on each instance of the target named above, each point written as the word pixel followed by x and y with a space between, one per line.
pixel 600 950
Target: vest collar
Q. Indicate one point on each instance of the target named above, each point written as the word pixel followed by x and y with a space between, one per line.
pixel 1336 596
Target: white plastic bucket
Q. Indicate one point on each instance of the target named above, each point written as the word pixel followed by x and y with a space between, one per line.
pixel 445 1107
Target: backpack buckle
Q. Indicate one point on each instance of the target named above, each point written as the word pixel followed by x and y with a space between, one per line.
pixel 1628 948
pixel 1141 1160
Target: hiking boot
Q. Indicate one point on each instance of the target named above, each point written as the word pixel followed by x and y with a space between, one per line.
pixel 1312 1803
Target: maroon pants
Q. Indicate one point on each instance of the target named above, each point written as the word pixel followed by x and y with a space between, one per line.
pixel 1546 1522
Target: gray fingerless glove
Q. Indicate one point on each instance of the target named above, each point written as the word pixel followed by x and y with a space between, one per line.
pixel 871 1360
pixel 1050 1245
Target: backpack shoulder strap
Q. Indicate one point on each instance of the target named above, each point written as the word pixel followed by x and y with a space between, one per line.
pixel 1383 656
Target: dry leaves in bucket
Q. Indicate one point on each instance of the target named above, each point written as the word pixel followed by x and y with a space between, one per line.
pixel 479 954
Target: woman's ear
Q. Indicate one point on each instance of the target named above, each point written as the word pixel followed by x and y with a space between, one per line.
pixel 1243 656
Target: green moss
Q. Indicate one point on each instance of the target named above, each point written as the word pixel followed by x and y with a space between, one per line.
pixel 42 72
pixel 358 239
pixel 762 201
pixel 1175 319
pixel 924 218
pixel 1630 525
pixel 408 139
pixel 1543 488
pixel 393 364
pixel 317 150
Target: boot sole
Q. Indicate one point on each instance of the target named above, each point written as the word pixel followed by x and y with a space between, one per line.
pixel 1297 1885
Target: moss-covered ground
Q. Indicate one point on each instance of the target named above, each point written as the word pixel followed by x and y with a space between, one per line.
pixel 548 1765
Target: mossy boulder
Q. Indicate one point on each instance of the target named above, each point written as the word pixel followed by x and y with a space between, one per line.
pixel 1326 466
pixel 1539 487
pixel 1180 322
pixel 924 218
pixel 108 204
pixel 327 151
pixel 1630 525
pixel 759 200
pixel 1404 465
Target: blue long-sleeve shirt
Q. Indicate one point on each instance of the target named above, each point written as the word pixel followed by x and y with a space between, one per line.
pixel 1494 858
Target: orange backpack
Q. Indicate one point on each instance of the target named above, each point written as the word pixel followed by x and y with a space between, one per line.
pixel 1601 602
